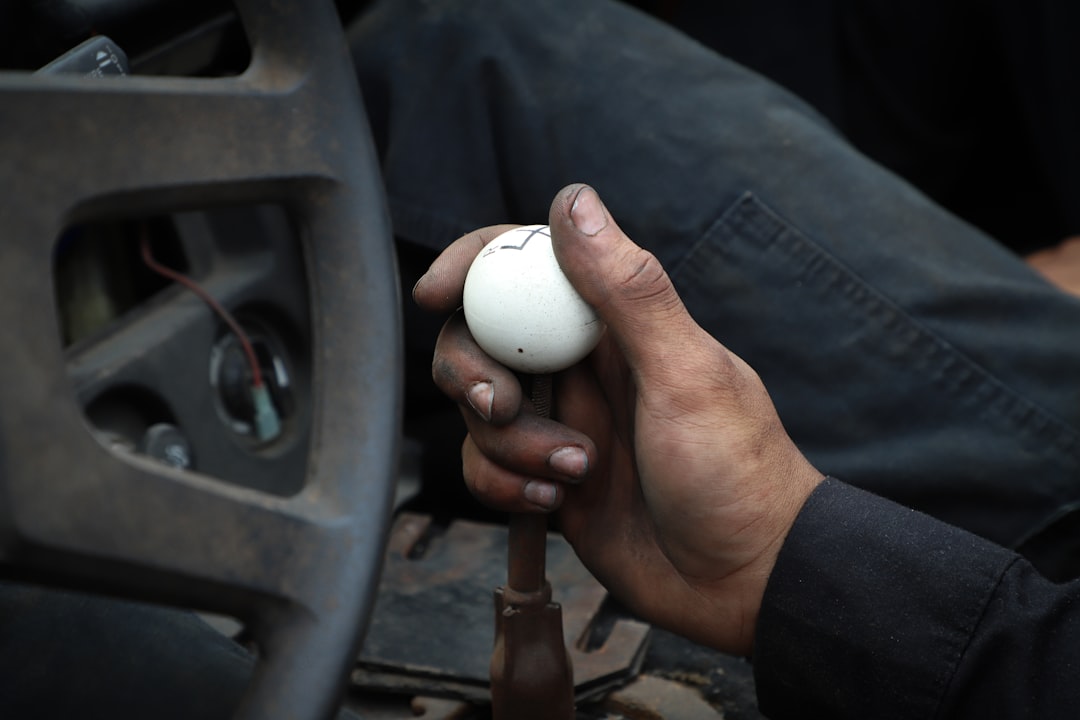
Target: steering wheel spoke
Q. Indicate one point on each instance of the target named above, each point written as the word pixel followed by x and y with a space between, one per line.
pixel 291 131
pixel 142 146
pixel 145 530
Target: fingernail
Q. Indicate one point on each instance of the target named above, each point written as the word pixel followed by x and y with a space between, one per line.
pixel 481 397
pixel 541 493
pixel 570 461
pixel 587 212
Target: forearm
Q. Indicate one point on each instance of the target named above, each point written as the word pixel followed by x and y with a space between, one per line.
pixel 877 611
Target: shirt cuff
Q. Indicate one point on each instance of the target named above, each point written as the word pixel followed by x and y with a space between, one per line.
pixel 869 609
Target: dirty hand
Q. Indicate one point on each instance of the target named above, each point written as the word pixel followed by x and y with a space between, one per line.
pixel 673 478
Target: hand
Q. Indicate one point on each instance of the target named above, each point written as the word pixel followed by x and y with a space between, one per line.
pixel 672 476
pixel 1060 264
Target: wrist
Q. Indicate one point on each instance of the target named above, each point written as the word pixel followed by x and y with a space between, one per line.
pixel 794 489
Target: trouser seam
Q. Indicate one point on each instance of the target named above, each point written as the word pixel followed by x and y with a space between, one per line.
pixel 947 365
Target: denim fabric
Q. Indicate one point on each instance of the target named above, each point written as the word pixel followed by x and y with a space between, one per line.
pixel 907 352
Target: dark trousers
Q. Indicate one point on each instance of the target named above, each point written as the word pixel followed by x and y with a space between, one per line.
pixel 907 352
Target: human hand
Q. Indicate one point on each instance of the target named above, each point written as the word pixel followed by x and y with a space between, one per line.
pixel 672 475
pixel 1060 264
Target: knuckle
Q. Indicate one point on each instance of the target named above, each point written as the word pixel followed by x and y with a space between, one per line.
pixel 644 281
pixel 643 275
pixel 485 480
pixel 439 369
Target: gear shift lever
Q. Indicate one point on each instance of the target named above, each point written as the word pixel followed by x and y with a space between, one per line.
pixel 523 312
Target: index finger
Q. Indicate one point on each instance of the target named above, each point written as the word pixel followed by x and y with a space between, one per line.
pixel 440 288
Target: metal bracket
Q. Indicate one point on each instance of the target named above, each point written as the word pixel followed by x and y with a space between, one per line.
pixel 432 632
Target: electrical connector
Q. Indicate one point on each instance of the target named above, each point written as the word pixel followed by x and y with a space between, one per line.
pixel 267 421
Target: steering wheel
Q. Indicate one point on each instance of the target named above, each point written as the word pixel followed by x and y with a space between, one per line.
pixel 300 570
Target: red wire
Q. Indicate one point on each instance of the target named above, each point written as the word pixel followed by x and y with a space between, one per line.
pixel 245 343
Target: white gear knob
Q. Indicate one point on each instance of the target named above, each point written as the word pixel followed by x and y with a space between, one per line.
pixel 522 310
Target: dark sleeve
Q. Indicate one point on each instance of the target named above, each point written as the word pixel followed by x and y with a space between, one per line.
pixel 877 611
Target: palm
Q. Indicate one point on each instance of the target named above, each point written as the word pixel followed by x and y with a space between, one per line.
pixel 663 510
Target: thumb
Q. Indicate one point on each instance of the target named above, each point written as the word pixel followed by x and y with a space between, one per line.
pixel 622 281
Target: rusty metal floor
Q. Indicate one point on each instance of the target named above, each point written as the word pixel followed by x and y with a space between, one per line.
pixel 429 645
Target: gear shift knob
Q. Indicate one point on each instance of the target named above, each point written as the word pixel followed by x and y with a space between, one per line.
pixel 522 310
